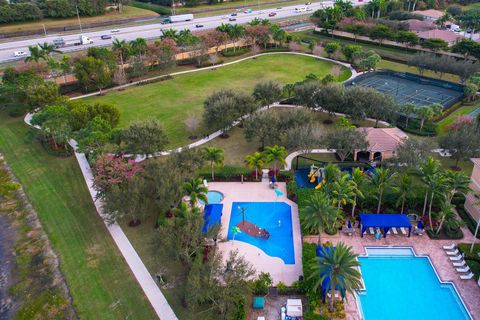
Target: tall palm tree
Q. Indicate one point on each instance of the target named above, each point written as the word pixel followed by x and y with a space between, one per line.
pixel 36 54
pixel 48 49
pixel 446 213
pixel 342 192
pixel 215 156
pixel 403 189
pixel 425 113
pixel 340 265
pixel 357 183
pixel 195 189
pixel 275 155
pixel 318 214
pixel 408 109
pixel 456 182
pixel 428 169
pixel 255 161
pixel 235 33
pixel 139 46
pixel 331 174
pixel 170 33
pixel 381 180
pixel 122 49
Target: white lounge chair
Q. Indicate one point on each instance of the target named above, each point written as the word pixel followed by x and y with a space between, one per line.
pixel 464 269
pixel 467 276
pixel 394 230
pixel 403 231
pixel 388 232
pixel 452 253
pixel 450 247
pixel 459 264
pixel 371 230
pixel 457 258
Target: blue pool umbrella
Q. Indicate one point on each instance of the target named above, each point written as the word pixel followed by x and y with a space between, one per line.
pixel 349 224
pixel 278 192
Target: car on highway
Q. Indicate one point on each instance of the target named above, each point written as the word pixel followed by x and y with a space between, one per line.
pixel 114 30
pixel 234 14
pixel 279 8
pixel 272 14
pixel 20 54
pixel 308 3
pixel 232 19
pixel 248 11
pixel 106 37
pixel 309 9
pixel 199 26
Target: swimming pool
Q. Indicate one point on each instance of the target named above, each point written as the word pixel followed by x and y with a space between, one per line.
pixel 400 285
pixel 276 218
pixel 214 197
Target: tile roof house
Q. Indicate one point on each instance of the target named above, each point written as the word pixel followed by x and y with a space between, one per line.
pixel 447 35
pixel 430 14
pixel 472 203
pixel 420 25
pixel 383 143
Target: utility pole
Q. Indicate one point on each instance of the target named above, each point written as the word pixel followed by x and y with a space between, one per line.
pixel 475 235
pixel 44 30
pixel 173 7
pixel 78 17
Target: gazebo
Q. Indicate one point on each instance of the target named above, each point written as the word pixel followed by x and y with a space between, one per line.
pixel 385 221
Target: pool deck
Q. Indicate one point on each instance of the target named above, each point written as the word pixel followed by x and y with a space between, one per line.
pixel 259 192
pixel 423 245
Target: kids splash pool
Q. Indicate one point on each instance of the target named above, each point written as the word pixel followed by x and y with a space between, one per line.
pixel 401 285
pixel 275 217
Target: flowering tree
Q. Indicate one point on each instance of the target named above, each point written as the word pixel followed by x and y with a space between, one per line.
pixel 110 170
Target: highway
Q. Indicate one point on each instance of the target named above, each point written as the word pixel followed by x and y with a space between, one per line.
pixel 152 31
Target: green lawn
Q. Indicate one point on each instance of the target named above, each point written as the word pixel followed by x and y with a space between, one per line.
pixel 445 123
pixel 173 100
pixel 98 278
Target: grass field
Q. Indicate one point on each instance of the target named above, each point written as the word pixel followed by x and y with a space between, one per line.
pixel 442 125
pixel 173 100
pixel 98 278
pixel 128 13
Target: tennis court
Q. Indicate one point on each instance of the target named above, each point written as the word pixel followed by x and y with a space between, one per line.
pixel 405 87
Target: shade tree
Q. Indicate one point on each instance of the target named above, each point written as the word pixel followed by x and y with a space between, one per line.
pixel 345 141
pixel 144 137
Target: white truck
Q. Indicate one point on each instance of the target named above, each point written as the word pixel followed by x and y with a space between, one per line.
pixel 61 43
pixel 178 18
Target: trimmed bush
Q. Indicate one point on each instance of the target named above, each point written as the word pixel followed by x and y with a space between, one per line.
pixel 237 52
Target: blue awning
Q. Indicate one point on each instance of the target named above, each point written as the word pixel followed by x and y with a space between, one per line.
pixel 212 216
pixel 320 252
pixel 385 221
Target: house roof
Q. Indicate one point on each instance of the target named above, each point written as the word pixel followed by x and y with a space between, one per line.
pixel 419 25
pixel 435 14
pixel 384 139
pixel 447 35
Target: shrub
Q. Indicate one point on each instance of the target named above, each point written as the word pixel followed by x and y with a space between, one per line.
pixel 238 52
pixel 261 285
pixel 205 64
pixel 282 288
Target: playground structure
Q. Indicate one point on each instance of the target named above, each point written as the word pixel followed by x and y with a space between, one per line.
pixel 317 173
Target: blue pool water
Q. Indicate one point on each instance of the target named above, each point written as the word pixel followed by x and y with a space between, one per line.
pixel 406 287
pixel 276 218
pixel 214 197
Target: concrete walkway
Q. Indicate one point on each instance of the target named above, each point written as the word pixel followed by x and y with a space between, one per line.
pixel 145 280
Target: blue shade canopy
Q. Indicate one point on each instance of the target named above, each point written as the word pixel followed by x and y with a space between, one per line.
pixel 258 302
pixel 212 216
pixel 385 221
pixel 322 251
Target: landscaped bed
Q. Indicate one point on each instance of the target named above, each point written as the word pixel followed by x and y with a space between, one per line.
pixel 172 101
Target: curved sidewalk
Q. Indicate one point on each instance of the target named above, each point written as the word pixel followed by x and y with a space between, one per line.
pixel 144 279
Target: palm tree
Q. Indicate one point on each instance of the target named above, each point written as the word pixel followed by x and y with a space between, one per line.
pixel 139 46
pixel 340 265
pixel 195 189
pixel 446 213
pixel 425 113
pixel 428 168
pixel 48 49
pixel 408 109
pixel 275 154
pixel 381 180
pixel 215 156
pixel 122 49
pixel 357 183
pixel 403 189
pixel 255 161
pixel 342 191
pixel 170 33
pixel 36 54
pixel 456 182
pixel 318 214
pixel 235 32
